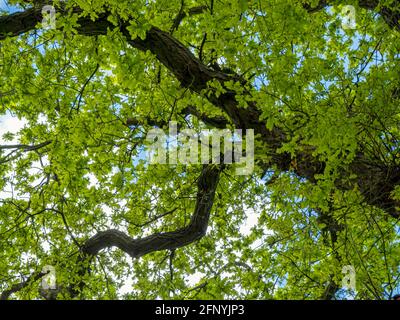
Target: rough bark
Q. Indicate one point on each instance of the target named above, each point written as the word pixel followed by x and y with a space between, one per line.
pixel 195 230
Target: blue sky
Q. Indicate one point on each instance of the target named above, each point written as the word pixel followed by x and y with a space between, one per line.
pixel 4 5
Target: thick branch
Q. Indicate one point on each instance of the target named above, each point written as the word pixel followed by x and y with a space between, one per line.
pixel 19 23
pixel 195 230
pixel 193 74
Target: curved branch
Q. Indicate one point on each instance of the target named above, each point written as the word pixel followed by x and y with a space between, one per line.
pixel 193 74
pixel 195 230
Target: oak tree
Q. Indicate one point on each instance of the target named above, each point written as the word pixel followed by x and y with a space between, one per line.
pixel 323 101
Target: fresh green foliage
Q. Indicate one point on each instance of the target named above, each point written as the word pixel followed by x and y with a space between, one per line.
pixel 90 99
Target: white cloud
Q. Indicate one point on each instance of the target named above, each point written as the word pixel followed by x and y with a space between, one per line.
pixel 194 279
pixel 9 123
pixel 251 220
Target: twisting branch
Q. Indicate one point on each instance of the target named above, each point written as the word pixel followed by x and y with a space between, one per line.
pixel 194 75
pixel 195 230
pixel 206 186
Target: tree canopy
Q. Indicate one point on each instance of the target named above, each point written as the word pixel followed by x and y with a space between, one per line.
pixel 322 97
